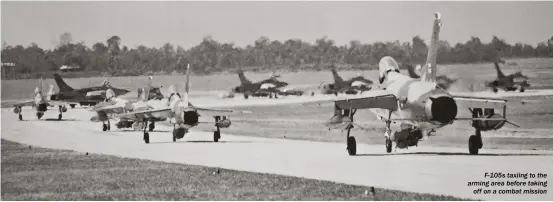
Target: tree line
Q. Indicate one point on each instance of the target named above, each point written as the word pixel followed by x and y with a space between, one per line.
pixel 113 59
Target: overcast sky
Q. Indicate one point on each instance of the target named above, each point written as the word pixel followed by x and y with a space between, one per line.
pixel 185 23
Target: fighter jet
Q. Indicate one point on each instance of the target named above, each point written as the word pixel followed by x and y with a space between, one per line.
pixel 180 112
pixel 268 87
pixel 112 106
pixel 41 103
pixel 508 83
pixel 84 96
pixel 354 85
pixel 419 105
pixel 442 81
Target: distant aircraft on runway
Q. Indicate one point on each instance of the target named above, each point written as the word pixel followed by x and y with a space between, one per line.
pixel 268 87
pixel 181 113
pixel 442 81
pixel 418 104
pixel 507 82
pixel 41 103
pixel 84 96
pixel 354 85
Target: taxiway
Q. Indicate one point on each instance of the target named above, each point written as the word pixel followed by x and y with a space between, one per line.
pixel 426 169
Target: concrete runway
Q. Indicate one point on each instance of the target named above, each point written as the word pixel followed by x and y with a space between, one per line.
pixel 424 169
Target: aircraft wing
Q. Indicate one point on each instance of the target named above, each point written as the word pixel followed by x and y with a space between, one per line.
pixel 221 111
pixel 470 103
pixel 369 99
pixel 112 109
pixel 386 101
pixel 33 103
pixel 150 113
pixel 59 103
pixel 25 103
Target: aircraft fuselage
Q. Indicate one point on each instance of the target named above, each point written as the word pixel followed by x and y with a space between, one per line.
pixel 420 104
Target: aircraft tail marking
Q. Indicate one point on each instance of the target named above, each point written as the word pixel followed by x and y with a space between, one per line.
pixel 499 72
pixel 428 71
pixel 337 78
pixel 61 84
pixel 243 78
pixel 412 73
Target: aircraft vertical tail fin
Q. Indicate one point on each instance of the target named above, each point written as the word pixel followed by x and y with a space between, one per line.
pixel 243 78
pixel 499 72
pixel 187 85
pixel 412 73
pixel 61 84
pixel 38 92
pixel 143 94
pixel 428 71
pixel 50 92
pixel 337 78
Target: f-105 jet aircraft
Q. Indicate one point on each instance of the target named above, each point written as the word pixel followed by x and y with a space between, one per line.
pixel 41 103
pixel 507 82
pixel 442 81
pixel 84 96
pixel 180 112
pixel 112 106
pixel 268 87
pixel 354 85
pixel 418 104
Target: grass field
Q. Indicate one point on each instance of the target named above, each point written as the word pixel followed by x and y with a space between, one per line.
pixel 31 173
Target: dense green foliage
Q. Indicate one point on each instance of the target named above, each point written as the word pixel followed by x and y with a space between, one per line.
pixel 110 59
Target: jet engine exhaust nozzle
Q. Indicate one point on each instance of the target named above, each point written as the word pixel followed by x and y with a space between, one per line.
pixel 441 109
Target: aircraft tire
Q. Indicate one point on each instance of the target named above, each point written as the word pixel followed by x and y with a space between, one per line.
pixel 352 146
pixel 59 117
pixel 20 117
pixel 216 136
pixel 388 145
pixel 146 138
pixel 72 106
pixel 39 115
pixel 151 127
pixel 104 127
pixel 522 89
pixel 474 145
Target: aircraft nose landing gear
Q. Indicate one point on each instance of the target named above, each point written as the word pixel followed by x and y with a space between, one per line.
pixel 62 109
pixel 475 143
pixel 146 134
pixel 106 127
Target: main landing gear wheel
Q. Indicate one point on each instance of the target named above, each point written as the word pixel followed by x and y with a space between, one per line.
pixel 39 115
pixel 475 144
pixel 104 127
pixel 151 127
pixel 216 136
pixel 522 89
pixel 59 117
pixel 146 134
pixel 146 138
pixel 72 106
pixel 20 117
pixel 352 146
pixel 388 145
pixel 174 134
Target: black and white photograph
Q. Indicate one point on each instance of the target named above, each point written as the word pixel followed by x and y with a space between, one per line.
pixel 276 100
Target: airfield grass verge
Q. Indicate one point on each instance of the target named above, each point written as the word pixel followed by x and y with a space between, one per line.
pixel 32 173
